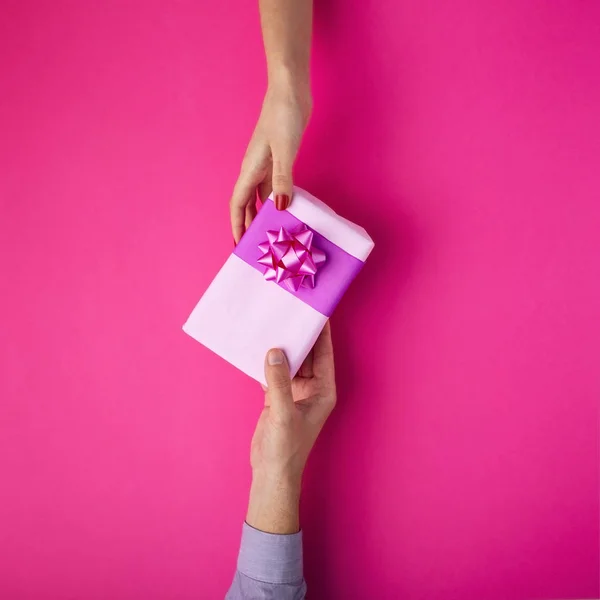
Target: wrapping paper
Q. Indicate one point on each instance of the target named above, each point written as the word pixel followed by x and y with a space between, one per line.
pixel 280 285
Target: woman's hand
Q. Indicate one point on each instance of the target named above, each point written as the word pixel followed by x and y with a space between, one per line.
pixel 294 414
pixel 270 156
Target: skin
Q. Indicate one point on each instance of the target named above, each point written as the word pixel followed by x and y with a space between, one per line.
pixel 291 420
pixel 287 106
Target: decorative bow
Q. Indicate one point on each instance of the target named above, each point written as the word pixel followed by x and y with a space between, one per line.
pixel 291 258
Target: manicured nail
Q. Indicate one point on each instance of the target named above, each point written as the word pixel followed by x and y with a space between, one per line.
pixel 282 201
pixel 275 357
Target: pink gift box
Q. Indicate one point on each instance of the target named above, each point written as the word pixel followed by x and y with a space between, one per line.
pixel 280 284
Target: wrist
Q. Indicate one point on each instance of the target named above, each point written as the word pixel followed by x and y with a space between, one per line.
pixel 282 73
pixel 291 85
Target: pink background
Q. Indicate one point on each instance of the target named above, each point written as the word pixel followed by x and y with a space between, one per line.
pixel 462 460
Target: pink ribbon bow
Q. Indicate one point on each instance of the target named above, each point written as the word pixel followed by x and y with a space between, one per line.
pixel 291 258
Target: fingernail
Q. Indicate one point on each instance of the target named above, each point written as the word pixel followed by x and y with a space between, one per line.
pixel 234 244
pixel 282 201
pixel 275 357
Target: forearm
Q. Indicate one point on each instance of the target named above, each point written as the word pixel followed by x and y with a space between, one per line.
pixel 270 558
pixel 274 503
pixel 287 29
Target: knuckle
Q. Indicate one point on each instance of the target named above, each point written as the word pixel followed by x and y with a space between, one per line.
pixel 281 180
pixel 246 166
pixel 250 165
pixel 279 382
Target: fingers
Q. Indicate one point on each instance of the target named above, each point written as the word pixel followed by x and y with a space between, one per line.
pixel 324 345
pixel 323 365
pixel 244 193
pixel 282 178
pixel 250 214
pixel 279 383
pixel 251 211
pixel 265 187
pixel 306 369
pixel 324 373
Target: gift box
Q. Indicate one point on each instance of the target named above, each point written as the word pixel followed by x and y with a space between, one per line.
pixel 280 285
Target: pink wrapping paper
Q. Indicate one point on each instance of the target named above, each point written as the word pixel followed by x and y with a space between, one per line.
pixel 255 304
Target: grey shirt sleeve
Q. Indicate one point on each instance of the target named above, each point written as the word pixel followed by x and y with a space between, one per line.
pixel 269 567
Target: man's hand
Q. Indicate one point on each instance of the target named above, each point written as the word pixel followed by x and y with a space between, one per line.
pixel 294 414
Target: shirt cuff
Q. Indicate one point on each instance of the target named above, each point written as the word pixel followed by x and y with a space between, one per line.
pixel 270 557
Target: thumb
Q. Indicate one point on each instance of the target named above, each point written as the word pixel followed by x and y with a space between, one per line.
pixel 279 383
pixel 282 180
